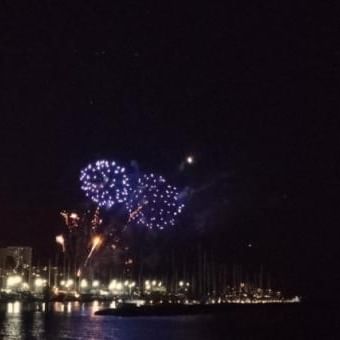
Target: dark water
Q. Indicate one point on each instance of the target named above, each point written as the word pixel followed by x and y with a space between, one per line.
pixel 77 321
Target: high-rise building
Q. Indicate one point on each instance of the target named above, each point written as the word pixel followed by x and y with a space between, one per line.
pixel 15 260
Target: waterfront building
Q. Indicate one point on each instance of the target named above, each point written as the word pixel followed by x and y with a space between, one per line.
pixel 15 260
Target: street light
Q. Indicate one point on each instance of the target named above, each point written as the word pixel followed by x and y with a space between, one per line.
pixel 25 286
pixel 83 283
pixel 131 285
pixel 13 281
pixel 112 284
pixel 69 283
pixel 147 285
pixel 39 282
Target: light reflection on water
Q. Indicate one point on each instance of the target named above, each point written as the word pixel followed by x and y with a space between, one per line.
pixel 13 307
pixel 76 320
pixel 38 320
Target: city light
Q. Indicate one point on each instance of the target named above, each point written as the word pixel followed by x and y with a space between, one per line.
pixel 116 285
pixel 95 284
pixel 154 286
pixel 13 307
pixel 25 286
pixel 112 285
pixel 13 281
pixel 39 282
pixel 83 283
pixel 69 283
pixel 147 285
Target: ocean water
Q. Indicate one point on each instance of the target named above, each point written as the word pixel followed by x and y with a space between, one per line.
pixel 77 321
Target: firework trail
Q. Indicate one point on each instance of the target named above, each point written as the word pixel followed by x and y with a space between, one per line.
pixel 96 242
pixel 96 220
pixel 60 239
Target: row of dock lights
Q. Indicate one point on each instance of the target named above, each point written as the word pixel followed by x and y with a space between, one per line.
pixel 67 283
pixel 40 283
pixel 152 285
pixel 115 286
pixel 15 282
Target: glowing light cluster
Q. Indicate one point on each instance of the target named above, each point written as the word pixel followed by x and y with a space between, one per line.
pixel 154 203
pixel 105 183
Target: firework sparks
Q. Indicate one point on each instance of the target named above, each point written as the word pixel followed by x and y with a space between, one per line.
pixel 71 219
pixel 151 201
pixel 154 203
pixel 65 215
pixel 133 214
pixel 105 183
pixel 96 220
pixel 74 216
pixel 96 242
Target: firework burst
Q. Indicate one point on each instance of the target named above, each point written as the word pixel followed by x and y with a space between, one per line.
pixel 154 203
pixel 105 183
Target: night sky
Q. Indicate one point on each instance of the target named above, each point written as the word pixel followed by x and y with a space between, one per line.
pixel 247 89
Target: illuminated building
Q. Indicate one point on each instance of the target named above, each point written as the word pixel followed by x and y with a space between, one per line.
pixel 15 260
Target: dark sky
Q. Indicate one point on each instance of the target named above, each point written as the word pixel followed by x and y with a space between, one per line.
pixel 247 88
